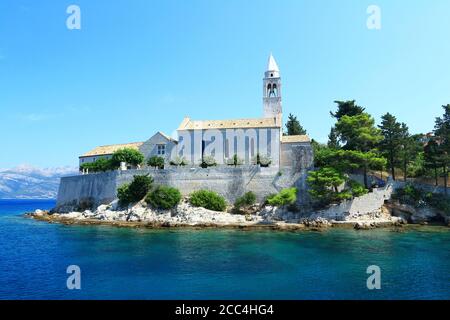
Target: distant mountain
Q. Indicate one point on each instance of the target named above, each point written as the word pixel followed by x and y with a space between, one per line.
pixel 27 182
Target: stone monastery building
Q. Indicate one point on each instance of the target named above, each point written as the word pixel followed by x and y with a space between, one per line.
pixel 222 139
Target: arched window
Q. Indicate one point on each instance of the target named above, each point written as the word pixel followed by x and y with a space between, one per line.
pixel 269 89
pixel 275 90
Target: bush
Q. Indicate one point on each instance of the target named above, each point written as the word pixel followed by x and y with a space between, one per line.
pixel 156 162
pixel 208 200
pixel 100 165
pixel 357 189
pixel 123 194
pixel 284 198
pixel 208 161
pixel 163 197
pixel 130 156
pixel 247 199
pixel 235 161
pixel 178 161
pixel 134 191
pixel 265 161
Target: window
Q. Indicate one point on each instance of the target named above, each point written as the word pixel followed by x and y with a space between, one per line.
pixel 161 149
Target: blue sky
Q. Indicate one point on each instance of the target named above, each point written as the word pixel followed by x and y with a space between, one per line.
pixel 139 66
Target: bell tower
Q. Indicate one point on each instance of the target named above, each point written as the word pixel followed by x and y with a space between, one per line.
pixel 272 90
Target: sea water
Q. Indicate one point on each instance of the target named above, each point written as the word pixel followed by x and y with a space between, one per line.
pixel 120 263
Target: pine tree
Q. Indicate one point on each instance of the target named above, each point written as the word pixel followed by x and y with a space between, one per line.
pixel 442 132
pixel 333 139
pixel 432 158
pixel 293 127
pixel 347 108
pixel 392 140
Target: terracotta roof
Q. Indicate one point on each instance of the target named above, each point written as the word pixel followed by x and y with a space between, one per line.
pixel 110 149
pixel 295 139
pixel 189 124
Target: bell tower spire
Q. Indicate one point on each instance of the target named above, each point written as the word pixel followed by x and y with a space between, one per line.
pixel 272 89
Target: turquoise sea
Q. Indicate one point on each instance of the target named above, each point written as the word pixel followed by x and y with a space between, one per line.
pixel 216 264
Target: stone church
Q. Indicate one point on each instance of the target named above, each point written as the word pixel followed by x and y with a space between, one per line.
pixel 248 139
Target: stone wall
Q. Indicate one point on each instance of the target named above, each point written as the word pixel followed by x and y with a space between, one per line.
pixel 230 182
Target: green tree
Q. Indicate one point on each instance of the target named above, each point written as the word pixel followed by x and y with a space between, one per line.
pixel 294 127
pixel 392 133
pixel 156 162
pixel 442 132
pixel 346 108
pixel 324 183
pixel 433 158
pixel 333 139
pixel 129 156
pixel 360 138
pixel 139 187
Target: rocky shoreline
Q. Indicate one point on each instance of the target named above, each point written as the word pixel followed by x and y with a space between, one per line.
pixel 187 216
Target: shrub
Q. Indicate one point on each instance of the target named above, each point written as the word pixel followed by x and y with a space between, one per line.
pixel 163 197
pixel 178 161
pixel 357 189
pixel 235 161
pixel 284 198
pixel 100 165
pixel 156 162
pixel 208 161
pixel 265 161
pixel 247 199
pixel 139 187
pixel 208 200
pixel 123 194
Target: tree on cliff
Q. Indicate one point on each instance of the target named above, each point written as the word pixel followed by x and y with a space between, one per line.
pixel 293 126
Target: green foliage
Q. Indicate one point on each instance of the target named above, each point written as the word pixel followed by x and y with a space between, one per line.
pixel 208 200
pixel 208 161
pixel 324 186
pixel 247 199
pixel 393 137
pixel 356 189
pixel 285 197
pixel 156 162
pixel 130 156
pixel 178 161
pixel 293 127
pixel 418 197
pixel 358 132
pixel 100 165
pixel 347 108
pixel 235 161
pixel 333 139
pixel 138 188
pixel 123 194
pixel 163 197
